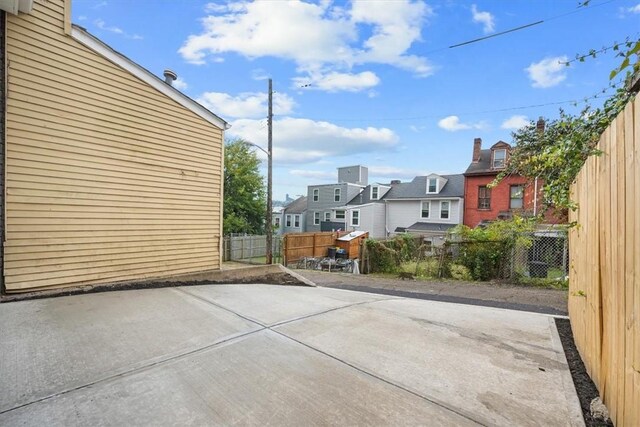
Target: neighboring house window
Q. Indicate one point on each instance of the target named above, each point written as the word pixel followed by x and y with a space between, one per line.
pixel 327 216
pixel 276 221
pixel 339 214
pixel 499 157
pixel 432 185
pixel 517 196
pixel 288 221
pixel 316 218
pixel 316 194
pixel 374 193
pixel 424 211
pixel 296 221
pixel 444 210
pixel 484 197
pixel 336 195
pixel 355 218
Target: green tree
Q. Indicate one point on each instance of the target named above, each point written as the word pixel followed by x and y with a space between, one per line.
pixel 244 190
pixel 556 155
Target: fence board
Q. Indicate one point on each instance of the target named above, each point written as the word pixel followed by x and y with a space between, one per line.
pixel 300 245
pixel 604 302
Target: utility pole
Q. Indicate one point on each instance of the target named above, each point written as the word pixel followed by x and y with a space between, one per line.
pixel 269 215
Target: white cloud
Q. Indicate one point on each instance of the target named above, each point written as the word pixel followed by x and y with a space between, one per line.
pixel 548 72
pixel 259 74
pixel 335 81
pixel 180 84
pixel 319 38
pixel 515 122
pixel 485 18
pixel 634 9
pixel 246 105
pixel 100 24
pixel 82 18
pixel 103 26
pixel 321 175
pixel 298 140
pixel 453 124
pixel 393 172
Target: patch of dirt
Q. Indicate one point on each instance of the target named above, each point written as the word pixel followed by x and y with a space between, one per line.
pixel 502 295
pixel 585 387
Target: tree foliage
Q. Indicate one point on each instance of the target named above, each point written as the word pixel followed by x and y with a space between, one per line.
pixel 244 190
pixel 556 155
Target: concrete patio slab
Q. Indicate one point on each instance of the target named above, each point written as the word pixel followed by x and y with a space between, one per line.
pixel 502 366
pixel 271 304
pixel 262 379
pixel 58 344
pixel 269 355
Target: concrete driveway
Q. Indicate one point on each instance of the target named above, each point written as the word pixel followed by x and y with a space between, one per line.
pixel 277 355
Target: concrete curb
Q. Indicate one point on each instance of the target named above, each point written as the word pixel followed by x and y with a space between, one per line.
pixel 274 274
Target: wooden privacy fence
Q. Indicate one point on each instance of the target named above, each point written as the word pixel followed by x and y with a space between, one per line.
pixel 604 290
pixel 299 245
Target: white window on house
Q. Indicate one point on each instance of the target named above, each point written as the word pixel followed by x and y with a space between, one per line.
pixel 425 209
pixel 316 194
pixel 287 222
pixel 296 221
pixel 327 216
pixel 432 185
pixel 355 218
pixel 444 210
pixel 499 157
pixel 516 197
pixel 375 190
pixel 276 221
pixel 316 218
pixel 339 214
pixel 484 197
pixel 336 195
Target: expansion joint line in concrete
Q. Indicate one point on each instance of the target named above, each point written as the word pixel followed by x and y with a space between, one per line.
pixel 431 400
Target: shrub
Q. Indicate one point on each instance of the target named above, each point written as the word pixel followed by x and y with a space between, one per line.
pixel 459 272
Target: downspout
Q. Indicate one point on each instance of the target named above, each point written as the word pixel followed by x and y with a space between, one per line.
pixel 386 218
pixel 535 197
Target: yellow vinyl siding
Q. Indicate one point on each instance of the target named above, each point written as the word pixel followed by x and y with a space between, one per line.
pixel 107 179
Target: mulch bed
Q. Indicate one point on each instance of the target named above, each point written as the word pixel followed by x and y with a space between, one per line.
pixel 585 387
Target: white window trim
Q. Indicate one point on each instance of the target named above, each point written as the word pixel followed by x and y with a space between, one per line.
pixel 493 158
pixel 288 222
pixel 448 210
pixel 420 209
pixel 377 187
pixel 276 221
pixel 315 195
pixel 327 216
pixel 296 219
pixel 344 213
pixel 338 192
pixel 316 218
pixel 352 224
pixel 437 186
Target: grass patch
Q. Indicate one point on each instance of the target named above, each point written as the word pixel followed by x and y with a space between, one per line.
pixel 547 283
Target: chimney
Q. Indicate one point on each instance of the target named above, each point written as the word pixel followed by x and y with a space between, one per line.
pixel 169 77
pixel 477 146
pixel 395 181
pixel 540 125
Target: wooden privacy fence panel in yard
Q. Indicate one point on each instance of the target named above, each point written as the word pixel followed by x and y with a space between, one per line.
pixel 604 285
pixel 299 245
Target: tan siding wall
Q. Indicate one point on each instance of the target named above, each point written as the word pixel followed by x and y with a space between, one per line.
pixel 107 179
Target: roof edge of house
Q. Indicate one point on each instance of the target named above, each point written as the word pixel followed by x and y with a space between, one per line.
pixel 92 42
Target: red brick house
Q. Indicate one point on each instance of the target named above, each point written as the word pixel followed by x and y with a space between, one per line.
pixel 514 194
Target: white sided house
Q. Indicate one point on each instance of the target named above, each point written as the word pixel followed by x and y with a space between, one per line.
pixel 367 211
pixel 429 205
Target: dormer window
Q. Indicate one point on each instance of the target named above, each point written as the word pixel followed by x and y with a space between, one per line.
pixel 316 194
pixel 432 185
pixel 499 158
pixel 375 191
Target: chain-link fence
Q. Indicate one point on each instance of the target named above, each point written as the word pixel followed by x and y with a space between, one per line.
pixel 547 257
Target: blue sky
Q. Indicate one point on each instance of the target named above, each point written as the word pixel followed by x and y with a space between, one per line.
pixel 370 82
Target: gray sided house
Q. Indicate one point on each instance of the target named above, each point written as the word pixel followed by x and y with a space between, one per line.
pixel 429 205
pixel 294 216
pixel 367 211
pixel 326 204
